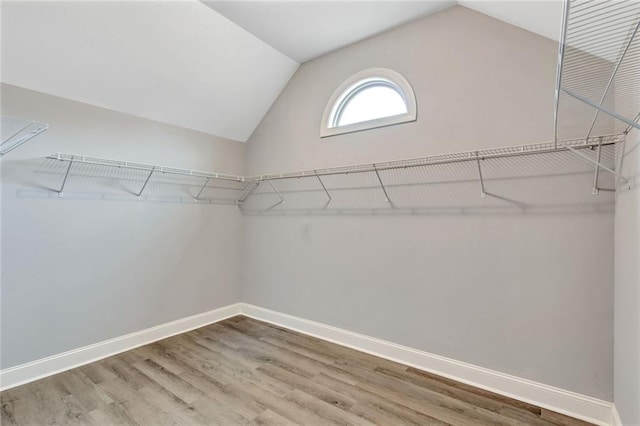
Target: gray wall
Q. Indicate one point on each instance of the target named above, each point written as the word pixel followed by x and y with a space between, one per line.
pixel 627 284
pixel 527 291
pixel 77 270
pixel 524 287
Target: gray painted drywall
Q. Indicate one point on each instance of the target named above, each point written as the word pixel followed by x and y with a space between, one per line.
pixel 627 284
pixel 528 293
pixel 76 271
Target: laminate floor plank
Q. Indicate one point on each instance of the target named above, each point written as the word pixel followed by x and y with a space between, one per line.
pixel 112 414
pixel 245 372
pixel 375 407
pixel 480 401
pixel 269 418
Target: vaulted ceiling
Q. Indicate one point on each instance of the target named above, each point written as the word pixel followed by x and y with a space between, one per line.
pixel 176 62
pixel 212 66
pixel 304 30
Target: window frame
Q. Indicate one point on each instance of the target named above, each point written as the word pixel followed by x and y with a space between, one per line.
pixel 355 84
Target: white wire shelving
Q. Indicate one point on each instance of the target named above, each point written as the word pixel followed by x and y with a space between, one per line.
pixel 598 85
pixel 137 178
pixel 598 76
pixel 389 185
pixel 412 183
pixel 16 132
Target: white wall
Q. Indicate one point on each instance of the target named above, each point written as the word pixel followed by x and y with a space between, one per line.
pixel 77 270
pixel 627 284
pixel 528 292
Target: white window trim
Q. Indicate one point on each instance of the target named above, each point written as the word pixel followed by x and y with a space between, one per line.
pixel 343 91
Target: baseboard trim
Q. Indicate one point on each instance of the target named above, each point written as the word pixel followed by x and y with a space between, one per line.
pixel 559 400
pixel 617 421
pixel 570 403
pixel 44 367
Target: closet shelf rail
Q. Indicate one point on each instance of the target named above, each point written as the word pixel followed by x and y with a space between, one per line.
pixel 461 157
pixel 16 132
pixel 481 179
pixel 150 170
pixel 142 166
pixel 239 189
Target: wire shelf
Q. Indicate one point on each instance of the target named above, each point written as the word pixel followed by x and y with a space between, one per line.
pixel 470 156
pixel 84 174
pixel 495 179
pixel 17 131
pixel 598 80
pixel 411 183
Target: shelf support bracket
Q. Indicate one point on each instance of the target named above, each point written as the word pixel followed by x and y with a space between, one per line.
pixel 561 49
pixel 202 189
pixel 279 196
pixel 595 189
pixel 611 78
pixel 245 194
pixel 600 165
pixel 146 182
pixel 483 194
pixel 384 189
pixel 635 120
pixel 325 190
pixel 64 181
pixel 624 143
pixel 602 108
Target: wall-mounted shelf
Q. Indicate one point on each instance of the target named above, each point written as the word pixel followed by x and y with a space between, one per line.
pixel 139 179
pixel 479 178
pixel 404 184
pixel 16 132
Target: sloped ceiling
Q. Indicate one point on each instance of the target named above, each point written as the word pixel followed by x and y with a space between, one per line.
pixel 540 17
pixel 177 62
pixel 184 63
pixel 304 30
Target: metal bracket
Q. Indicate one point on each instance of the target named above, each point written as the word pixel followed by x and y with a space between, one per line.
pixel 561 49
pixel 64 181
pixel 602 108
pixel 384 189
pixel 146 182
pixel 600 165
pixel 202 189
pixel 635 120
pixel 610 82
pixel 595 189
pixel 251 186
pixel 279 196
pixel 483 194
pixel 325 190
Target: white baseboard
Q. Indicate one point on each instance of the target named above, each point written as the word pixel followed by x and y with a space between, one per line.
pixel 616 417
pixel 570 403
pixel 559 400
pixel 35 370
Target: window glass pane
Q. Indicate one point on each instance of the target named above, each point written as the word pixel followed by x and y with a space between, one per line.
pixel 370 103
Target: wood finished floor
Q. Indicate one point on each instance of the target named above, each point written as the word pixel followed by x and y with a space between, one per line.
pixel 242 371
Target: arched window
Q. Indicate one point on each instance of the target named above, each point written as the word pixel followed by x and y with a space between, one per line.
pixel 372 98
